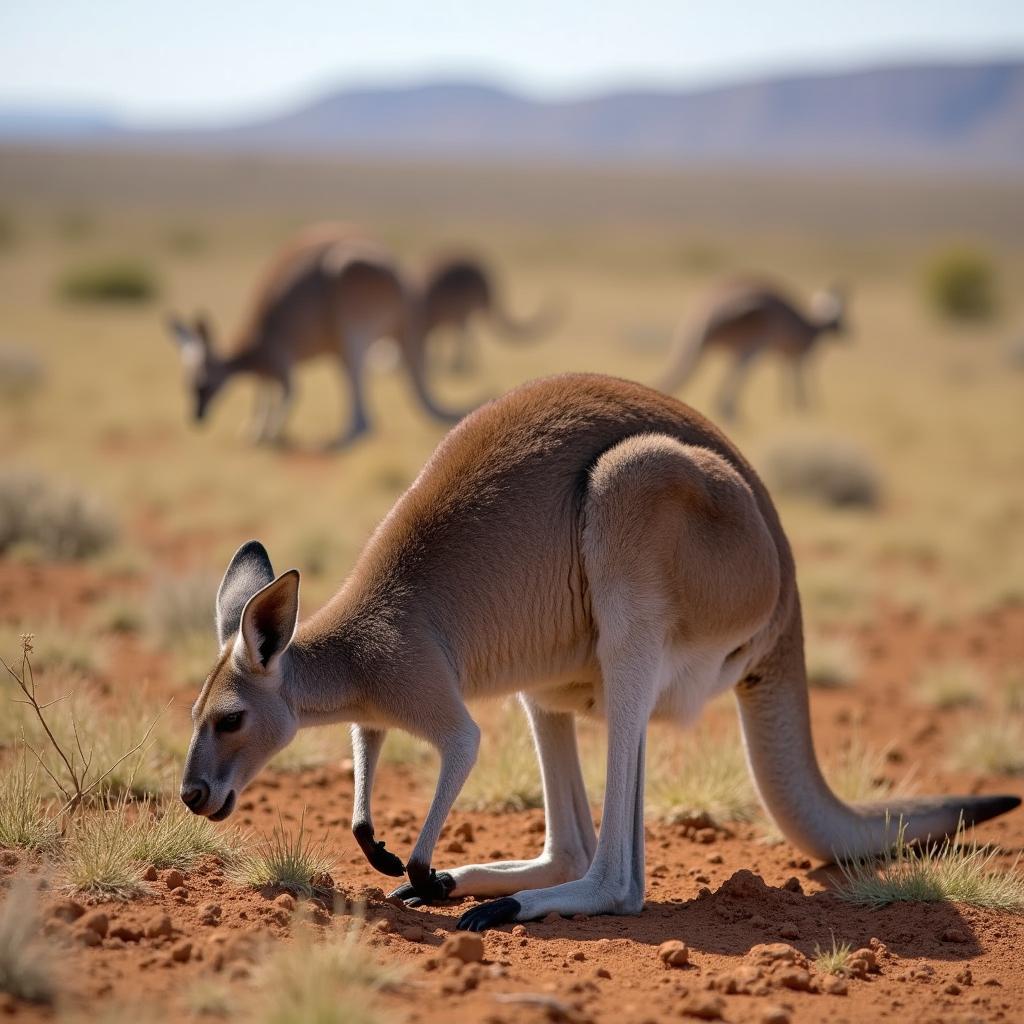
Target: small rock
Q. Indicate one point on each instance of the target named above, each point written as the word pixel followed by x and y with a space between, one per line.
pixel 705 835
pixel 767 953
pixel 834 985
pixel 788 930
pixel 704 1007
pixel 210 913
pixel 182 952
pixel 578 955
pixel 464 832
pixel 174 879
pixel 774 1015
pixel 88 937
pixel 715 858
pixel 454 846
pixel 160 925
pixel 793 885
pixel 95 921
pixel 150 874
pixel 965 977
pixel 519 930
pixel 126 933
pixel 67 910
pixel 286 902
pixel 323 880
pixel 465 946
pixel 551 918
pixel 674 953
pixel 795 978
pixel 953 934
pixel 412 933
pixel 952 989
pixel 602 972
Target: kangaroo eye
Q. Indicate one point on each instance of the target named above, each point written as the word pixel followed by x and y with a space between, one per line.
pixel 229 723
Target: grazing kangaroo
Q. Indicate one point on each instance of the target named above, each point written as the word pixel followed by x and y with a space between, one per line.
pixel 748 319
pixel 457 290
pixel 328 292
pixel 595 546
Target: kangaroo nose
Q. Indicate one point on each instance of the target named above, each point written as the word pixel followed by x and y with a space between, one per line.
pixel 195 795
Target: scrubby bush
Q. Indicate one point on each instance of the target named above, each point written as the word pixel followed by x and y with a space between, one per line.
pixel 61 522
pixel 111 281
pixel 960 284
pixel 824 470
pixel 21 375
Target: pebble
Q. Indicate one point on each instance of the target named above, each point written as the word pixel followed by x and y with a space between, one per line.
pixel 182 952
pixel 789 930
pixel 705 835
pixel 454 846
pixel 602 972
pixel 95 921
pixel 674 953
pixel 704 1007
pixel 160 925
pixel 67 910
pixel 774 1015
pixel 286 901
pixel 519 930
pixel 150 874
pixel 464 832
pixel 126 933
pixel 465 946
pixel 834 985
pixel 174 879
pixel 88 937
pixel 209 913
pixel 953 934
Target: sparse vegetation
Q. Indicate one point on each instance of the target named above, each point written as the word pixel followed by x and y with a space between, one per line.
pixel 700 774
pixel 952 684
pixel 955 871
pixel 26 970
pixel 26 821
pixel 169 836
pixel 832 662
pixel 506 776
pixel 861 775
pixel 834 959
pixel 99 853
pixel 113 281
pixel 22 375
pixel 291 860
pixel 60 521
pixel 960 284
pixel 993 747
pixel 311 982
pixel 829 472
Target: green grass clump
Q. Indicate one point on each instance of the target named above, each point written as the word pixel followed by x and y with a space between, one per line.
pixel 832 960
pixel 61 522
pixel 951 685
pixel 825 471
pixel 170 836
pixel 26 821
pixel 125 281
pixel 954 871
pixel 26 971
pixel 700 774
pixel 960 284
pixel 286 859
pixel 311 982
pixel 506 776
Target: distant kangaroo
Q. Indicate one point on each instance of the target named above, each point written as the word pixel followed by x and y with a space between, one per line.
pixel 747 319
pixel 328 292
pixel 595 546
pixel 456 290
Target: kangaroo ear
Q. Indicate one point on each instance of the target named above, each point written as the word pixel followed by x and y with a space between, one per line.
pixel 203 330
pixel 249 571
pixel 269 619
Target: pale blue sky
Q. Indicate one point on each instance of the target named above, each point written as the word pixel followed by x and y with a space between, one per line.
pixel 159 61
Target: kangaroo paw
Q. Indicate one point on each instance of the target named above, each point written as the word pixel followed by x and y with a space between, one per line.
pixel 434 888
pixel 381 859
pixel 489 915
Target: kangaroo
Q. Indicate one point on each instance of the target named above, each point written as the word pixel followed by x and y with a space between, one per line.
pixel 328 292
pixel 599 548
pixel 458 289
pixel 748 319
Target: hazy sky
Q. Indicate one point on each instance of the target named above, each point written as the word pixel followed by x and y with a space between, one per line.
pixel 160 61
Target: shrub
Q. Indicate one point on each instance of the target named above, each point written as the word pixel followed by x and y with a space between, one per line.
pixel 62 522
pixel 26 972
pixel 113 281
pixel 954 871
pixel 21 375
pixel 829 472
pixel 960 283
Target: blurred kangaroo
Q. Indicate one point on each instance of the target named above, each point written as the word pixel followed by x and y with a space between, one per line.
pixel 328 292
pixel 595 546
pixel 748 319
pixel 458 289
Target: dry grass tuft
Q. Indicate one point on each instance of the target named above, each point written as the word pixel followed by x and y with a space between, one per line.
pixel 99 853
pixel 26 821
pixel 26 971
pixel 832 662
pixel 994 747
pixel 828 472
pixel 953 684
pixel 954 871
pixel 860 775
pixel 834 959
pixel 286 859
pixel 170 836
pixel 58 521
pixel 311 982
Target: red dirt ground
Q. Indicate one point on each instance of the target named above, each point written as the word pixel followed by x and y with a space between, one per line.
pixel 724 893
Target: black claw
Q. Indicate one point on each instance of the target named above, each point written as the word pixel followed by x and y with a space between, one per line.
pixel 382 860
pixel 981 808
pixel 433 889
pixel 489 915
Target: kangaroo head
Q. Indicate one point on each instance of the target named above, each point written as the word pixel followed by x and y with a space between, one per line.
pixel 828 307
pixel 204 372
pixel 242 716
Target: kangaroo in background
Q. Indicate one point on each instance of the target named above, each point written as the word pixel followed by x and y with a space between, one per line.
pixel 748 319
pixel 328 292
pixel 458 289
pixel 597 547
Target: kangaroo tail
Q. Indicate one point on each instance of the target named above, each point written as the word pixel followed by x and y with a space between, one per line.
pixel 528 328
pixel 776 730
pixel 413 348
pixel 687 350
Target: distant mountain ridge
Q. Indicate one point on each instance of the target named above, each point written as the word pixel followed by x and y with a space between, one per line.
pixel 952 115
